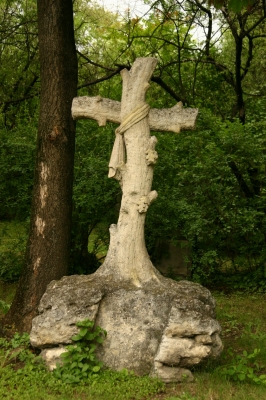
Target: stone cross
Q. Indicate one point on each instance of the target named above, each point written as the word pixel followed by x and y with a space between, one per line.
pixel 132 161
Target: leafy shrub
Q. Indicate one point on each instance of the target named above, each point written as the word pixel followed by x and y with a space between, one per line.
pixel 17 349
pixel 11 263
pixel 244 368
pixel 80 362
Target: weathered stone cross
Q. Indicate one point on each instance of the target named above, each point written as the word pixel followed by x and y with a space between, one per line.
pixel 132 161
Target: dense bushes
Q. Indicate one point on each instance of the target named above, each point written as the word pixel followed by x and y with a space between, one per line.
pixel 201 199
pixel 17 150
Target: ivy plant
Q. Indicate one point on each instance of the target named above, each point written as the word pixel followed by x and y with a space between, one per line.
pixel 79 361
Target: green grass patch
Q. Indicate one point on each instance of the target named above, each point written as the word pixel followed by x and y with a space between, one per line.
pixel 34 382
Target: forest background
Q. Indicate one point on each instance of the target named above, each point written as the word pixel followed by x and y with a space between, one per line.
pixel 211 181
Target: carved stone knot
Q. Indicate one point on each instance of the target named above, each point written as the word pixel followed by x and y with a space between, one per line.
pixel 143 204
pixel 145 201
pixel 151 156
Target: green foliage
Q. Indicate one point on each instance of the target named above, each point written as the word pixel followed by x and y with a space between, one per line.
pixel 80 362
pixel 11 262
pixel 20 340
pixel 16 350
pixel 16 341
pixel 244 368
pixel 201 200
pixel 109 385
pixel 4 307
pixel 7 292
pixel 17 150
pixel 19 72
pixel 13 236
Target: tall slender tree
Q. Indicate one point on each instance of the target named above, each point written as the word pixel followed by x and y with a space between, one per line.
pixel 48 245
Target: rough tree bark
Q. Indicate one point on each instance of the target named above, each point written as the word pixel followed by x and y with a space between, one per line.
pixel 48 246
pixel 132 161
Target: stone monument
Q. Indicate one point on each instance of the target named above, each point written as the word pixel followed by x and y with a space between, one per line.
pixel 154 325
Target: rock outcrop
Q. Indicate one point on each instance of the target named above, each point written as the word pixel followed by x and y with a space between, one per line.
pixel 161 330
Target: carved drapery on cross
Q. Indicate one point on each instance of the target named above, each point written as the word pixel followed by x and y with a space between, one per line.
pixel 127 258
pixel 117 160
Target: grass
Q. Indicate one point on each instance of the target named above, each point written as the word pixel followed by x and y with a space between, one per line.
pixel 243 319
pixel 39 384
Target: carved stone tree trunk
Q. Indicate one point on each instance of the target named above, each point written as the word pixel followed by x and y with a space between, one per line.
pixel 132 162
pixel 127 256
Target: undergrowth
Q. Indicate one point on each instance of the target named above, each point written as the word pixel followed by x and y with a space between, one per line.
pixel 79 362
pixel 23 375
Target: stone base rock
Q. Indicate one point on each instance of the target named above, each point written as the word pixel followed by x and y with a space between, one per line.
pixel 161 330
pixel 52 356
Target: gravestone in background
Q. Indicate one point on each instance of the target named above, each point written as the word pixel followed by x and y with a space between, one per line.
pixel 173 259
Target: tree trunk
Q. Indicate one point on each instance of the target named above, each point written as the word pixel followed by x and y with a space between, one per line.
pixel 48 247
pixel 127 258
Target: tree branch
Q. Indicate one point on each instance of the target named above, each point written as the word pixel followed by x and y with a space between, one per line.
pixel 240 180
pixel 104 78
pixel 209 33
pixel 19 100
pixel 249 58
pixel 94 63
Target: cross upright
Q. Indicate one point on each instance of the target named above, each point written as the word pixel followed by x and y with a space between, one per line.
pixel 132 162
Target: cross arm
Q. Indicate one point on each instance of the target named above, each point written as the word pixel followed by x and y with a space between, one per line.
pixel 102 110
